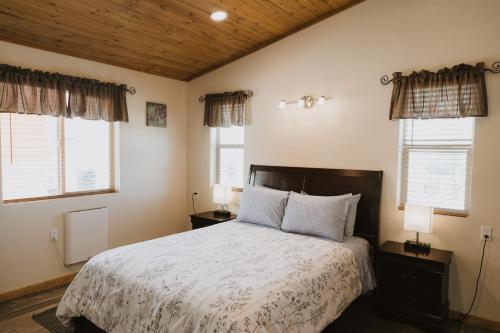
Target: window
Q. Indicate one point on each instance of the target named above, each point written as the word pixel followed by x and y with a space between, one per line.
pixel 436 161
pixel 44 156
pixel 229 156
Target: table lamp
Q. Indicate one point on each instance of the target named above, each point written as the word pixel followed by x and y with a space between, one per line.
pixel 418 218
pixel 222 195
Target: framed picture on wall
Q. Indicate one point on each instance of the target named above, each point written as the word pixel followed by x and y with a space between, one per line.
pixel 156 114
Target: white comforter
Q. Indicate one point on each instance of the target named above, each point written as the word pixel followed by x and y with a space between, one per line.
pixel 233 277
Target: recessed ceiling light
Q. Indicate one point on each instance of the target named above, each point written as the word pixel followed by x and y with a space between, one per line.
pixel 218 16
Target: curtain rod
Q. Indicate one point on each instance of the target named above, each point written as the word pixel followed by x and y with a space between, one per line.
pixel 495 69
pixel 131 90
pixel 248 92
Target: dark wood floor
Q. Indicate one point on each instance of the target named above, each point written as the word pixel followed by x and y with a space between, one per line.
pixel 360 317
pixel 16 317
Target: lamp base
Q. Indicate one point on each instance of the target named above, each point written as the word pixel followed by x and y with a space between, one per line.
pixel 417 247
pixel 222 213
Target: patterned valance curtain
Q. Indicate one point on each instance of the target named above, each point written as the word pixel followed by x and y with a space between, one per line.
pixel 226 109
pixel 454 92
pixel 91 99
pixel 35 92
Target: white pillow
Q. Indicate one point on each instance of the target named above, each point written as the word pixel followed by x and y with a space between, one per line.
pixel 262 205
pixel 316 215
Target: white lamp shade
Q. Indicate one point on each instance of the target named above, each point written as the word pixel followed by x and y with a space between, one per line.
pixel 221 194
pixel 418 218
pixel 282 104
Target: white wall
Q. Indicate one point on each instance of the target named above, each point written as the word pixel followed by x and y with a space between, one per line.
pixel 151 201
pixel 343 57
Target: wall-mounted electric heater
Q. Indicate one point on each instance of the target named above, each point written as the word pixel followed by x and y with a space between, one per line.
pixel 85 234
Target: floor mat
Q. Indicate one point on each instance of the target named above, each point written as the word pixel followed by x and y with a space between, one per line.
pixel 48 320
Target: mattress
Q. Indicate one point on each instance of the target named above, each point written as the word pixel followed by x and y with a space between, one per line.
pixel 226 278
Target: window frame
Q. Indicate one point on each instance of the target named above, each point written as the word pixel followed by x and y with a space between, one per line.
pixel 217 151
pixel 405 164
pixel 62 172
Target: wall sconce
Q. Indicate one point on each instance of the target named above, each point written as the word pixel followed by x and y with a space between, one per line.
pixel 305 102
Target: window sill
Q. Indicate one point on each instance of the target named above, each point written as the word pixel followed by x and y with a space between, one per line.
pixel 438 211
pixel 66 195
pixel 237 189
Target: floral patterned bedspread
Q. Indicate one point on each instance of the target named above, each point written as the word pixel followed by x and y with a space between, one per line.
pixel 232 277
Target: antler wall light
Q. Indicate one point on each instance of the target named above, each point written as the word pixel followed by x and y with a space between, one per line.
pixel 305 102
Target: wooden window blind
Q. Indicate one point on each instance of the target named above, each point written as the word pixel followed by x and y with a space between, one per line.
pixel 436 163
pixel 46 157
pixel 229 156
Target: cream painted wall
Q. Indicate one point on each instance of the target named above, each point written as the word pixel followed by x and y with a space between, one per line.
pixel 150 202
pixel 343 57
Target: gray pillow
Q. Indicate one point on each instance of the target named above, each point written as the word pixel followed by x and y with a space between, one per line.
pixel 351 214
pixel 262 205
pixel 316 216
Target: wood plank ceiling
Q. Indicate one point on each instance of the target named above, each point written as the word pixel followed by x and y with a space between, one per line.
pixel 171 38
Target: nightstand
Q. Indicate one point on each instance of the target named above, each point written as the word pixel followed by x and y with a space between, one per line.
pixel 207 219
pixel 413 286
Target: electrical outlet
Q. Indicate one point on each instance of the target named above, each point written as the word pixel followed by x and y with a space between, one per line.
pixel 196 194
pixel 54 235
pixel 486 231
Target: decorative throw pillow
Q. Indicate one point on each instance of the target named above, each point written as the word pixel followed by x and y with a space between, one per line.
pixel 351 215
pixel 262 205
pixel 316 216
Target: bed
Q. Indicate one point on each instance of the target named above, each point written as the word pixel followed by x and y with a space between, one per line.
pixel 234 277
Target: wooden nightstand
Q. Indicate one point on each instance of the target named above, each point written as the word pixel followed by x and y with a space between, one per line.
pixel 414 286
pixel 207 219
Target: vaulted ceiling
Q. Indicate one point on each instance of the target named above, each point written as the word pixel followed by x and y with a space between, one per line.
pixel 171 38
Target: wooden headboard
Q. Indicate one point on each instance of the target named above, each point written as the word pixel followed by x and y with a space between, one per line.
pixel 329 182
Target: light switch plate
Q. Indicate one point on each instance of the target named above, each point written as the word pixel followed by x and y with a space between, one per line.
pixel 486 230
